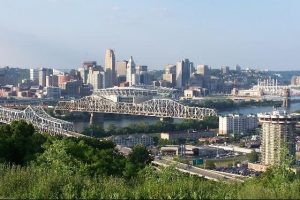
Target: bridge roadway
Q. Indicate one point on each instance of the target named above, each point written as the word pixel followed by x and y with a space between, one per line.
pixel 163 108
pixel 208 174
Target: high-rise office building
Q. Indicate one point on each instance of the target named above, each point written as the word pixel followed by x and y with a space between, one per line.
pixel 183 73
pixel 130 72
pixel 205 72
pixel 121 67
pixel 179 72
pixel 62 78
pixel 52 81
pixel 170 75
pixel 85 68
pixel 42 77
pixel 238 68
pixel 43 72
pixel 110 70
pixel 142 77
pixel 278 132
pixel 72 88
pixel 191 68
pixel 34 75
pixel 188 69
pixel 225 69
pixel 96 79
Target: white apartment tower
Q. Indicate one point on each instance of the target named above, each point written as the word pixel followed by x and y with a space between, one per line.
pixel 237 124
pixel 130 72
pixel 110 70
pixel 278 132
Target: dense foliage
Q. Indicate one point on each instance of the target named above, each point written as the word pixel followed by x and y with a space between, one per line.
pixel 38 166
pixel 20 145
pixel 253 156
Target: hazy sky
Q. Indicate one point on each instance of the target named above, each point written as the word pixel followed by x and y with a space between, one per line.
pixel 63 33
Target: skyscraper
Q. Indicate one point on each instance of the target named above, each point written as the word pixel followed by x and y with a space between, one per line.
pixel 142 77
pixel 225 69
pixel 191 69
pixel 188 69
pixel 184 69
pixel 170 75
pixel 34 75
pixel 238 68
pixel 179 72
pixel 278 132
pixel 96 79
pixel 205 72
pixel 110 71
pixel 121 67
pixel 43 72
pixel 52 81
pixel 85 68
pixel 130 72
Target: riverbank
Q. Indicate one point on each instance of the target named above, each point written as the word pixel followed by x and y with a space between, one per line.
pixel 228 104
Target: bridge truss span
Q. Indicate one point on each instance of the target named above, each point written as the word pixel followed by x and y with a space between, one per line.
pixel 39 119
pixel 167 108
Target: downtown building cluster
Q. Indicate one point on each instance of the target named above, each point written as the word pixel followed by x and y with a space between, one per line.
pixel 90 76
pixel 193 81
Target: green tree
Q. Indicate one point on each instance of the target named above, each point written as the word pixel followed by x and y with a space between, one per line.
pixel 111 130
pixel 95 130
pixel 18 143
pixel 70 156
pixel 242 144
pixel 253 156
pixel 137 160
pixel 209 164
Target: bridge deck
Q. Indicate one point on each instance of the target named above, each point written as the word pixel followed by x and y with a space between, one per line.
pixel 154 107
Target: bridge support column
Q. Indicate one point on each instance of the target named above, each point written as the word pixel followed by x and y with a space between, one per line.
pixel 91 119
pixel 286 98
pixel 167 119
pixel 96 117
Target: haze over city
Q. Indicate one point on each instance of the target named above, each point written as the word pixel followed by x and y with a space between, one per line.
pixel 64 33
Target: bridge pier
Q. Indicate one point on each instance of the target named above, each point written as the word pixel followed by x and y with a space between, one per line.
pixel 286 98
pixel 96 118
pixel 166 119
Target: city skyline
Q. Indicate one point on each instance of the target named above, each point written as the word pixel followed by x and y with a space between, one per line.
pixel 63 34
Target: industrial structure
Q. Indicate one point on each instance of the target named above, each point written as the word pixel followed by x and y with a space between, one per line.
pixel 269 87
pixel 266 87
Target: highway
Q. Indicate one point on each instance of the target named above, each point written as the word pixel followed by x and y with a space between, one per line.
pixel 208 174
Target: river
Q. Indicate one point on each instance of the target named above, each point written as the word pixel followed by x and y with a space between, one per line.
pixel 123 121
